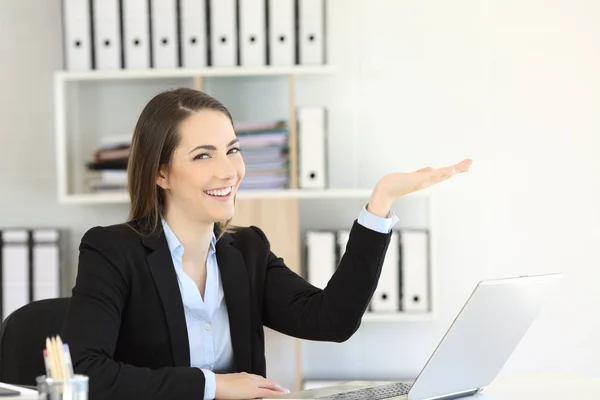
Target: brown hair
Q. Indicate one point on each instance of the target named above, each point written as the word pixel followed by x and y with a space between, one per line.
pixel 154 140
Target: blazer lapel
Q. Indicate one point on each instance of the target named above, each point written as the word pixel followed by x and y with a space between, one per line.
pixel 165 279
pixel 236 285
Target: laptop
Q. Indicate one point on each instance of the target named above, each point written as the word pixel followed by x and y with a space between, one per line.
pixel 472 352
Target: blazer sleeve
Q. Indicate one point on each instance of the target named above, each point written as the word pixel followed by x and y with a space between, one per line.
pixel 91 328
pixel 295 307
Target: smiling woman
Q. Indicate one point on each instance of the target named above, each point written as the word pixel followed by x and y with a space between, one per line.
pixel 172 303
pixel 184 151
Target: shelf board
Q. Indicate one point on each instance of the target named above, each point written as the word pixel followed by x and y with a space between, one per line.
pixel 163 73
pixel 380 317
pixel 123 197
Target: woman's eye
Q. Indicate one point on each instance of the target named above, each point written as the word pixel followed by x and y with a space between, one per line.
pixel 201 156
pixel 235 150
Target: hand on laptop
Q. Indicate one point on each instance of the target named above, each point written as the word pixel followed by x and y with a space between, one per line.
pixel 245 386
pixel 398 184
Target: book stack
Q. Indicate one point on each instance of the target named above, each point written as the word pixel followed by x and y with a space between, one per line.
pixel 108 168
pixel 264 148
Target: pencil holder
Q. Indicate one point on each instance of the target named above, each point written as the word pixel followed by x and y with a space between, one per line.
pixel 75 388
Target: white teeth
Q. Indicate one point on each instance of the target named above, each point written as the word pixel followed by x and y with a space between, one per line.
pixel 221 192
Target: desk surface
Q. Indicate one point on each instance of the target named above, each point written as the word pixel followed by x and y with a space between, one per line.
pixel 541 388
pixel 527 387
pixel 508 388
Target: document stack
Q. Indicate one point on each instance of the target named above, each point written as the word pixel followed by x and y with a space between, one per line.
pixel 108 166
pixel 30 266
pixel 143 34
pixel 264 147
pixel 404 284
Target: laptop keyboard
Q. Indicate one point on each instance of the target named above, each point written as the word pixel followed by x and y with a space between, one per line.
pixel 373 393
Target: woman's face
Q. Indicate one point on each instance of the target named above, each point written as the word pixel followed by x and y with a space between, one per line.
pixel 206 168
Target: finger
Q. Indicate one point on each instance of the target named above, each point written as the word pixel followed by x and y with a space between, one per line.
pixel 263 393
pixel 268 384
pixel 463 166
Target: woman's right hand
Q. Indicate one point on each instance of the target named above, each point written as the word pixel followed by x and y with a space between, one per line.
pixel 245 386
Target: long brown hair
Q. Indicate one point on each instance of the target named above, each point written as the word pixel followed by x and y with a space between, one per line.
pixel 155 138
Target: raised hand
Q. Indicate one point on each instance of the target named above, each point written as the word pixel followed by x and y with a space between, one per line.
pixel 398 184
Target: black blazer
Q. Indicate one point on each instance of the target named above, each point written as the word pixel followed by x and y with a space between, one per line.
pixel 126 326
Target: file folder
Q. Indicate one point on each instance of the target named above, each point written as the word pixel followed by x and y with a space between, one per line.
pixel 386 297
pixel 14 263
pixel 164 37
pixel 282 32
pixel 77 35
pixel 320 257
pixel 415 270
pixel 107 34
pixel 136 34
pixel 46 264
pixel 194 35
pixel 253 26
pixel 312 148
pixel 223 33
pixel 311 32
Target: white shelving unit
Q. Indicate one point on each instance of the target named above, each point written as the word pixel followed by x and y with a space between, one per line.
pixel 84 111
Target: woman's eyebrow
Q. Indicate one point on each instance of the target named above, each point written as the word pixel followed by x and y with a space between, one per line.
pixel 211 147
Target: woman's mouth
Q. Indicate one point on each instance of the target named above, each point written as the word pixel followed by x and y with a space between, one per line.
pixel 220 193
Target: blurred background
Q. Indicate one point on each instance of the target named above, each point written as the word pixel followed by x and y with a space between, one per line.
pixel 395 85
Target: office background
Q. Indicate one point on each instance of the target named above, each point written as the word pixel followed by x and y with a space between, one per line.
pixel 512 84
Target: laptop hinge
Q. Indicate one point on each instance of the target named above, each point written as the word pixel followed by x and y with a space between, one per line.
pixel 456 395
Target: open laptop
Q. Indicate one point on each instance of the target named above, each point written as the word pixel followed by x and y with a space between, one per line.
pixel 475 348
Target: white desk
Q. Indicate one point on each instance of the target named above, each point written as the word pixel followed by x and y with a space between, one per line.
pixel 541 388
pixel 512 388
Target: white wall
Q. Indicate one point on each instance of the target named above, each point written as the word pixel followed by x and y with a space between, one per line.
pixel 512 84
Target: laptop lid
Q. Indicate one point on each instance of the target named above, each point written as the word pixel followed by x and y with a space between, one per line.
pixel 484 335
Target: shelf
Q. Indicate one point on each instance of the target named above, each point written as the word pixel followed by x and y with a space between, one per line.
pixel 96 75
pixel 381 317
pixel 123 197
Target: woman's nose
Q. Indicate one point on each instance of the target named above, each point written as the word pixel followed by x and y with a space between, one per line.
pixel 225 169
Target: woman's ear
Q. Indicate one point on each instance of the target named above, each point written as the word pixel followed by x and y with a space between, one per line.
pixel 162 178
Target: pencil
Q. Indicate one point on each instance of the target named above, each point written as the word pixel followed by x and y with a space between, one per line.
pixel 61 357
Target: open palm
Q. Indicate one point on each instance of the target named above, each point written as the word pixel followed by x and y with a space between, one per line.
pixel 399 184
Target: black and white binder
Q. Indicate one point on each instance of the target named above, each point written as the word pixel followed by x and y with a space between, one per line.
pixel 386 298
pixel 136 34
pixel 253 33
pixel 77 33
pixel 107 34
pixel 30 266
pixel 46 264
pixel 194 39
pixel 14 263
pixel 311 32
pixel 223 33
pixel 320 257
pixel 164 37
pixel 312 147
pixel 282 32
pixel 415 270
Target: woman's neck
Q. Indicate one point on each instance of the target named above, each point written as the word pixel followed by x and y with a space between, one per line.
pixel 194 236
